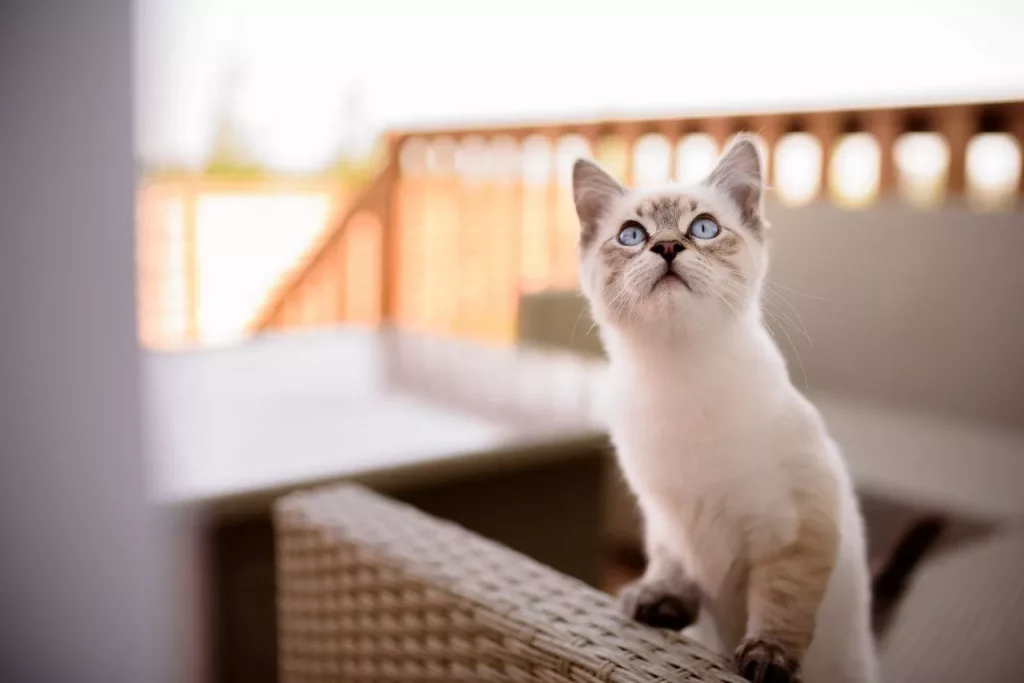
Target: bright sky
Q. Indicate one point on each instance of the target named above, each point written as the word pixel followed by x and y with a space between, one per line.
pixel 418 62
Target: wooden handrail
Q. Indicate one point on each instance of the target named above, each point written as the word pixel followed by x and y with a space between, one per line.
pixel 374 199
pixel 710 121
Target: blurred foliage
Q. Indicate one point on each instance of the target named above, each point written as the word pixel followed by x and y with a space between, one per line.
pixel 229 154
pixel 230 159
pixel 349 173
pixel 355 173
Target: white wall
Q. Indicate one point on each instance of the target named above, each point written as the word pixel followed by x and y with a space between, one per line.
pixel 921 310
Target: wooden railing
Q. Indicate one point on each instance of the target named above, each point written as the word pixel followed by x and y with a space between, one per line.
pixel 340 277
pixel 462 221
pixel 208 248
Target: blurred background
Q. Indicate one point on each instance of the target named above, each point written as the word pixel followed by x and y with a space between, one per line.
pixel 355 261
pixel 261 124
pixel 326 189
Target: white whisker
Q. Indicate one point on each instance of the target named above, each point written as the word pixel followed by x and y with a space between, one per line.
pixel 795 291
pixel 782 316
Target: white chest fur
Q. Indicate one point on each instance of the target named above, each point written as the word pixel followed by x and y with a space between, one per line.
pixel 708 477
pixel 712 444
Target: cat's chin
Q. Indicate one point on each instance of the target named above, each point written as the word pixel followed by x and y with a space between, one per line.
pixel 665 306
pixel 671 295
pixel 672 314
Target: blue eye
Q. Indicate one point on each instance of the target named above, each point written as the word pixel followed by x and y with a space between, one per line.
pixel 632 234
pixel 704 228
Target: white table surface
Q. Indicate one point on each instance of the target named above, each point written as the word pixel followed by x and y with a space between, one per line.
pixel 310 407
pixel 314 406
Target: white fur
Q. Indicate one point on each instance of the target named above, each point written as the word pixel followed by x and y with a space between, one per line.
pixel 715 441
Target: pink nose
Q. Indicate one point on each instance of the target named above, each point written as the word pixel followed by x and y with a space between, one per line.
pixel 667 249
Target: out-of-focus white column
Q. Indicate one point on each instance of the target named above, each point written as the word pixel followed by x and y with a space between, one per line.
pixel 80 594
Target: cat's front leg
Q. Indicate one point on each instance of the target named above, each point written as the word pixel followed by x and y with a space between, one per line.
pixel 786 587
pixel 664 597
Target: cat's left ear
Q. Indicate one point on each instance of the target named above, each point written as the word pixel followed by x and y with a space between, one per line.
pixel 740 174
pixel 593 192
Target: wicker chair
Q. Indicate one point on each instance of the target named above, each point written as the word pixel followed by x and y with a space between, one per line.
pixel 373 590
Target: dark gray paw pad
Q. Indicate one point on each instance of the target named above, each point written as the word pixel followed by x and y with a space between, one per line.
pixel 657 608
pixel 762 661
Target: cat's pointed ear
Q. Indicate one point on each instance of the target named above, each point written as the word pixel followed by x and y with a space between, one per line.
pixel 740 174
pixel 593 191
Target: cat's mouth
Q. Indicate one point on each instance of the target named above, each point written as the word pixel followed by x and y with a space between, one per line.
pixel 672 279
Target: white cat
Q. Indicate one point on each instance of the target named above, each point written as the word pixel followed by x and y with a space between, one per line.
pixel 754 535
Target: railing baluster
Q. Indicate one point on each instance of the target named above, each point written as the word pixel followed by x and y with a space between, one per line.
pixel 720 130
pixel 885 126
pixel 509 185
pixel 190 247
pixel 389 246
pixel 769 129
pixel 670 129
pixel 1015 115
pixel 958 125
pixel 825 129
pixel 629 133
pixel 314 298
pixel 551 198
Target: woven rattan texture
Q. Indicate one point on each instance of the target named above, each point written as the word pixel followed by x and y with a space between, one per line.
pixel 373 590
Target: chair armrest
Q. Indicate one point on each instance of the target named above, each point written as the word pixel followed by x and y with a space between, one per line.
pixel 371 589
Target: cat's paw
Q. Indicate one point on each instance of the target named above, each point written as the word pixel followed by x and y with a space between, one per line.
pixel 763 661
pixel 658 604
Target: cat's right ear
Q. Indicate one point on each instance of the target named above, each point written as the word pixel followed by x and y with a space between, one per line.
pixel 593 191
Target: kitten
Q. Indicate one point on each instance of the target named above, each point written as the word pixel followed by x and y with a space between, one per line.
pixel 754 537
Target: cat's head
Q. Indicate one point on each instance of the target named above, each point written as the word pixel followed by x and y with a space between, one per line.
pixel 676 260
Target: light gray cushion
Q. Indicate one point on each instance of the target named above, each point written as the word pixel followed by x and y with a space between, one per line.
pixel 962 618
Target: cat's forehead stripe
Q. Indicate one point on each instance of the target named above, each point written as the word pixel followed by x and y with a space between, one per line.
pixel 666 212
